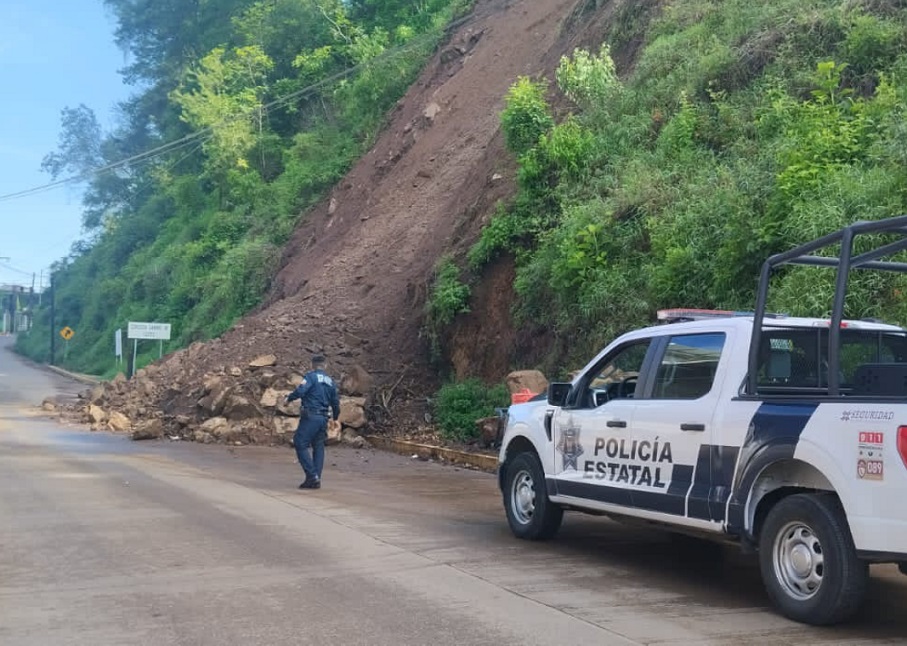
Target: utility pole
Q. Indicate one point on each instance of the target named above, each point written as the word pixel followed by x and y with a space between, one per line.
pixel 53 322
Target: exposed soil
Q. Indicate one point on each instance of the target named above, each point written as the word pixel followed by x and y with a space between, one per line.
pixel 356 273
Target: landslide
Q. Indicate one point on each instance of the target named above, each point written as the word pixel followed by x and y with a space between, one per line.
pixel 354 277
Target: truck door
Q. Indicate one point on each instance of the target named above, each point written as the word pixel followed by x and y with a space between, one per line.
pixel 600 410
pixel 668 456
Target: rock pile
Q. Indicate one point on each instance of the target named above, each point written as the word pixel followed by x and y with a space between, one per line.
pixel 230 405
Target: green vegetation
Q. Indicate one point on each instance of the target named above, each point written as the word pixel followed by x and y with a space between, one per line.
pixel 459 404
pixel 743 129
pixel 269 103
pixel 449 297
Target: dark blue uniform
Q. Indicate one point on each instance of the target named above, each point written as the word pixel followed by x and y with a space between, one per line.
pixel 319 399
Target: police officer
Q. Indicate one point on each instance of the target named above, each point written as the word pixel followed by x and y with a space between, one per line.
pixel 319 398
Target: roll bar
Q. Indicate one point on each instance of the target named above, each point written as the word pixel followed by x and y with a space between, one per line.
pixel 844 263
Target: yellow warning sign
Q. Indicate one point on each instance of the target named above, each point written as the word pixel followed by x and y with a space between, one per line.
pixel 67 333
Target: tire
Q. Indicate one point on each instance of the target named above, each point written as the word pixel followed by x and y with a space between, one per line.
pixel 530 513
pixel 808 560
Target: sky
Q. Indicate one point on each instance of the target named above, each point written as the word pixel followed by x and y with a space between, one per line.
pixel 53 54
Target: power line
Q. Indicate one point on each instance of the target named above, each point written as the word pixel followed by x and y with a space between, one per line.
pixel 154 153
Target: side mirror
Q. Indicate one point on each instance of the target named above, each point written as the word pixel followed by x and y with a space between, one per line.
pixel 557 393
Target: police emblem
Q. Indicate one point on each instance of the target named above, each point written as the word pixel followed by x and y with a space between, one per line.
pixel 569 446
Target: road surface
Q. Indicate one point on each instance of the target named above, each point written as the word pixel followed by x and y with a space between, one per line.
pixel 106 541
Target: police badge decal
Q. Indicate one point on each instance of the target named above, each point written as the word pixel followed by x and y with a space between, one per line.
pixel 569 446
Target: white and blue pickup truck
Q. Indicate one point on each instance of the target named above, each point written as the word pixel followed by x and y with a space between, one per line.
pixel 787 435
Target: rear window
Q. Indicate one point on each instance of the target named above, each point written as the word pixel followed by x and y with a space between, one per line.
pixel 792 359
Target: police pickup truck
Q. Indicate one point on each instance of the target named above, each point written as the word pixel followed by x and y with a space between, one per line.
pixel 787 435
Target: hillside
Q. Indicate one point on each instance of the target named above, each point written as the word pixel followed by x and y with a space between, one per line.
pixel 525 200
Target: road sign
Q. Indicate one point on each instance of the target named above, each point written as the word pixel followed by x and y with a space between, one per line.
pixel 118 343
pixel 67 333
pixel 159 331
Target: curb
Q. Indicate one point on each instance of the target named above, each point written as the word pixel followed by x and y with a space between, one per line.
pixel 481 461
pixel 85 379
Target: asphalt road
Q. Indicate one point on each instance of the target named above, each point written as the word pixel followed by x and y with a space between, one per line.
pixel 106 541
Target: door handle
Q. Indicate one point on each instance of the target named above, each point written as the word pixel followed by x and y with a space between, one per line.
pixel 616 423
pixel 692 427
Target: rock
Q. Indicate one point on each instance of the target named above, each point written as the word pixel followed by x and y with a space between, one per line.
pixel 177 403
pixel 96 414
pixel 96 395
pixel 202 437
pixel 140 373
pixel 352 412
pixel 284 425
pixel 489 427
pixel 213 403
pixel 533 380
pixel 144 386
pixel 431 111
pixel 295 380
pixel 356 382
pixel 334 432
pixel 270 397
pixel 49 405
pixel 118 422
pixel 290 409
pixel 239 407
pixel 352 438
pixel 262 361
pixel 236 372
pixel 267 378
pixel 182 420
pixel 150 430
pixel 119 379
pixel 214 426
pixel 332 206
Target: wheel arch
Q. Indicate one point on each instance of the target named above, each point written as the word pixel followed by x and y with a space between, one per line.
pixel 777 481
pixel 516 445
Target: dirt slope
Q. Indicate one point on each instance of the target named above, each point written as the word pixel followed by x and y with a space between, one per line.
pixel 355 275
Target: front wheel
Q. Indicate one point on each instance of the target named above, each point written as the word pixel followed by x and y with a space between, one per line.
pixel 808 560
pixel 530 513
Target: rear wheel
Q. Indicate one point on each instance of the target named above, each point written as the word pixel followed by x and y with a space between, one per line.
pixel 530 513
pixel 808 560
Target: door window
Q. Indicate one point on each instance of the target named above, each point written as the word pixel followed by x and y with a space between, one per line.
pixel 687 370
pixel 618 377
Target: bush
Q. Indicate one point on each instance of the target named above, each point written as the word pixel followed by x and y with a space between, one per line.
pixel 458 405
pixel 526 116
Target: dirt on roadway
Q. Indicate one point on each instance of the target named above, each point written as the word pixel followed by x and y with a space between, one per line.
pixel 108 541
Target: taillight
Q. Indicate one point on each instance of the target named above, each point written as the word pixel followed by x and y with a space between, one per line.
pixel 902 443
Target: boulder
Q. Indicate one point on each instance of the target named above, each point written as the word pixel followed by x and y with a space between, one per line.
pixel 352 412
pixel 270 397
pixel 295 380
pixel 49 405
pixel 96 395
pixel 352 438
pixel 152 429
pixel 236 372
pixel 290 409
pixel 531 380
pixel 214 426
pixel 177 403
pixel 263 361
pixel 356 382
pixel 334 432
pixel 285 425
pixel 118 422
pixel 239 407
pixel 489 429
pixel 119 379
pixel 202 437
pixel 96 414
pixel 213 403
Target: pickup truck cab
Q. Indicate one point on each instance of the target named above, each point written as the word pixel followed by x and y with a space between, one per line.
pixel 787 435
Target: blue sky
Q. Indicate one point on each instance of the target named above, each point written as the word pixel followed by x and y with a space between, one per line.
pixel 53 54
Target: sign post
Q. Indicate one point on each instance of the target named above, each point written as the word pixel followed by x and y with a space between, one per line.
pixel 67 333
pixel 118 346
pixel 136 330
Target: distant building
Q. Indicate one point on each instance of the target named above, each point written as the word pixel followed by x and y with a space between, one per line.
pixel 16 303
